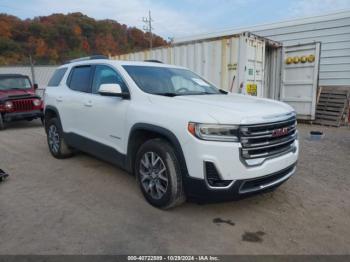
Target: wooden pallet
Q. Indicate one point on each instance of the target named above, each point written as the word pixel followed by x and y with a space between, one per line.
pixel 332 105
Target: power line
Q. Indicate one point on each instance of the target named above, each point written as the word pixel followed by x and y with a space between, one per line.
pixel 148 28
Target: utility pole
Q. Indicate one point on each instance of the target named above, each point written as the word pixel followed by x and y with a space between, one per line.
pixel 148 28
pixel 31 63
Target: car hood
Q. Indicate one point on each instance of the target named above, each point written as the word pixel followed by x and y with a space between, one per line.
pixel 5 93
pixel 235 108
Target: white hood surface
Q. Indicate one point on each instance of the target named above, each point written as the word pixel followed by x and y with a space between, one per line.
pixel 234 107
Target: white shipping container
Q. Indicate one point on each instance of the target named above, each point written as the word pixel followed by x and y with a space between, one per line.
pixel 234 63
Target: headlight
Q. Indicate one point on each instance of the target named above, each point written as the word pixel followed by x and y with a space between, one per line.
pixel 214 132
pixel 8 105
pixel 36 102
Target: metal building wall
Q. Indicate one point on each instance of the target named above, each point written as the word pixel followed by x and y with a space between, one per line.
pixel 42 74
pixel 331 30
pixel 334 36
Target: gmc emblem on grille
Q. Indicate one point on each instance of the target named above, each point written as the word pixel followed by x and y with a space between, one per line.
pixel 280 132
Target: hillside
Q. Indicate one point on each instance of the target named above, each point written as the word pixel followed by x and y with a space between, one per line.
pixel 58 37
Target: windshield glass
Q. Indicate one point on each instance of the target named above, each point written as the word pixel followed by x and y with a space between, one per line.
pixel 169 81
pixel 7 83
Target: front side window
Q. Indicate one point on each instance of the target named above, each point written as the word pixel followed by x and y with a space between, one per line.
pixel 80 79
pixel 169 81
pixel 57 76
pixel 106 75
pixel 14 82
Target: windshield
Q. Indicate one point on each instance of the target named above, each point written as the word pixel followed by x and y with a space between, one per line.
pixel 11 82
pixel 169 81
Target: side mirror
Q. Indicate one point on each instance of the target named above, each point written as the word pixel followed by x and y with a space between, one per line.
pixel 35 86
pixel 112 90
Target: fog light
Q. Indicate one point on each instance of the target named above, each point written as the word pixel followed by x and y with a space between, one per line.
pixel 36 102
pixel 8 105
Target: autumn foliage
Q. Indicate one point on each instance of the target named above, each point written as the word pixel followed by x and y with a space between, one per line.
pixel 56 38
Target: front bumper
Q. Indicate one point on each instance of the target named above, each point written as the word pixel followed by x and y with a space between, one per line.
pixel 226 158
pixel 198 189
pixel 8 117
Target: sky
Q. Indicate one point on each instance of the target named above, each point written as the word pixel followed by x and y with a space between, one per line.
pixel 179 18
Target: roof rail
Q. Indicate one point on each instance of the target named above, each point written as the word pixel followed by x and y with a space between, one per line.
pixel 153 61
pixel 88 58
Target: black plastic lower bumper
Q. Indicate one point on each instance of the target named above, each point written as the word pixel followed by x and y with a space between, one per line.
pixel 8 117
pixel 198 190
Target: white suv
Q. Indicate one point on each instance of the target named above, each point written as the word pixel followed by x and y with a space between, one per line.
pixel 180 135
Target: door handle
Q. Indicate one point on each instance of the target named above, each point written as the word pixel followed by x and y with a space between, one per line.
pixel 88 103
pixel 59 99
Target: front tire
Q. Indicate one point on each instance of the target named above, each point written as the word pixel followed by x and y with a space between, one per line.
pixel 158 174
pixel 57 146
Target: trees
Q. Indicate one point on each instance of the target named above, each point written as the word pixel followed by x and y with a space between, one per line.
pixel 58 37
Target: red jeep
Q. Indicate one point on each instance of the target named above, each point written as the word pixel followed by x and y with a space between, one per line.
pixel 18 100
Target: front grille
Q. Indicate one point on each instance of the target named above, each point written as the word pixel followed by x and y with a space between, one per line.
pixel 23 105
pixel 266 181
pixel 267 140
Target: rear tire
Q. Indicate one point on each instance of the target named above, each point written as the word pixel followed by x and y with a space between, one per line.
pixel 2 124
pixel 158 174
pixel 57 146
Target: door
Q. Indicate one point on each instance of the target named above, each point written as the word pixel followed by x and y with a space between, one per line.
pixel 300 66
pixel 104 118
pixel 73 97
pixel 252 60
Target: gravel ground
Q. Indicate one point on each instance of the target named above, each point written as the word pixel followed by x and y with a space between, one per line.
pixel 85 206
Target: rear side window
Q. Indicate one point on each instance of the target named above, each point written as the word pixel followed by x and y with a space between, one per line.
pixel 80 79
pixel 57 77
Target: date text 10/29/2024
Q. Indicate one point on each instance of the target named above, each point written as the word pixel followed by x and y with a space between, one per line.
pixel 174 258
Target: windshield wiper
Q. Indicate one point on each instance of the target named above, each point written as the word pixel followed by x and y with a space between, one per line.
pixel 170 94
pixel 200 93
pixel 167 94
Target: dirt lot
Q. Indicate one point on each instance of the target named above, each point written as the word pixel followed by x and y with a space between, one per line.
pixel 84 206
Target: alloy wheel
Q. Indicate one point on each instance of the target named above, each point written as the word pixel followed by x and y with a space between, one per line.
pixel 154 175
pixel 54 139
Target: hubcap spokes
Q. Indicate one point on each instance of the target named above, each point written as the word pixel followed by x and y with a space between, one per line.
pixel 154 178
pixel 54 138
